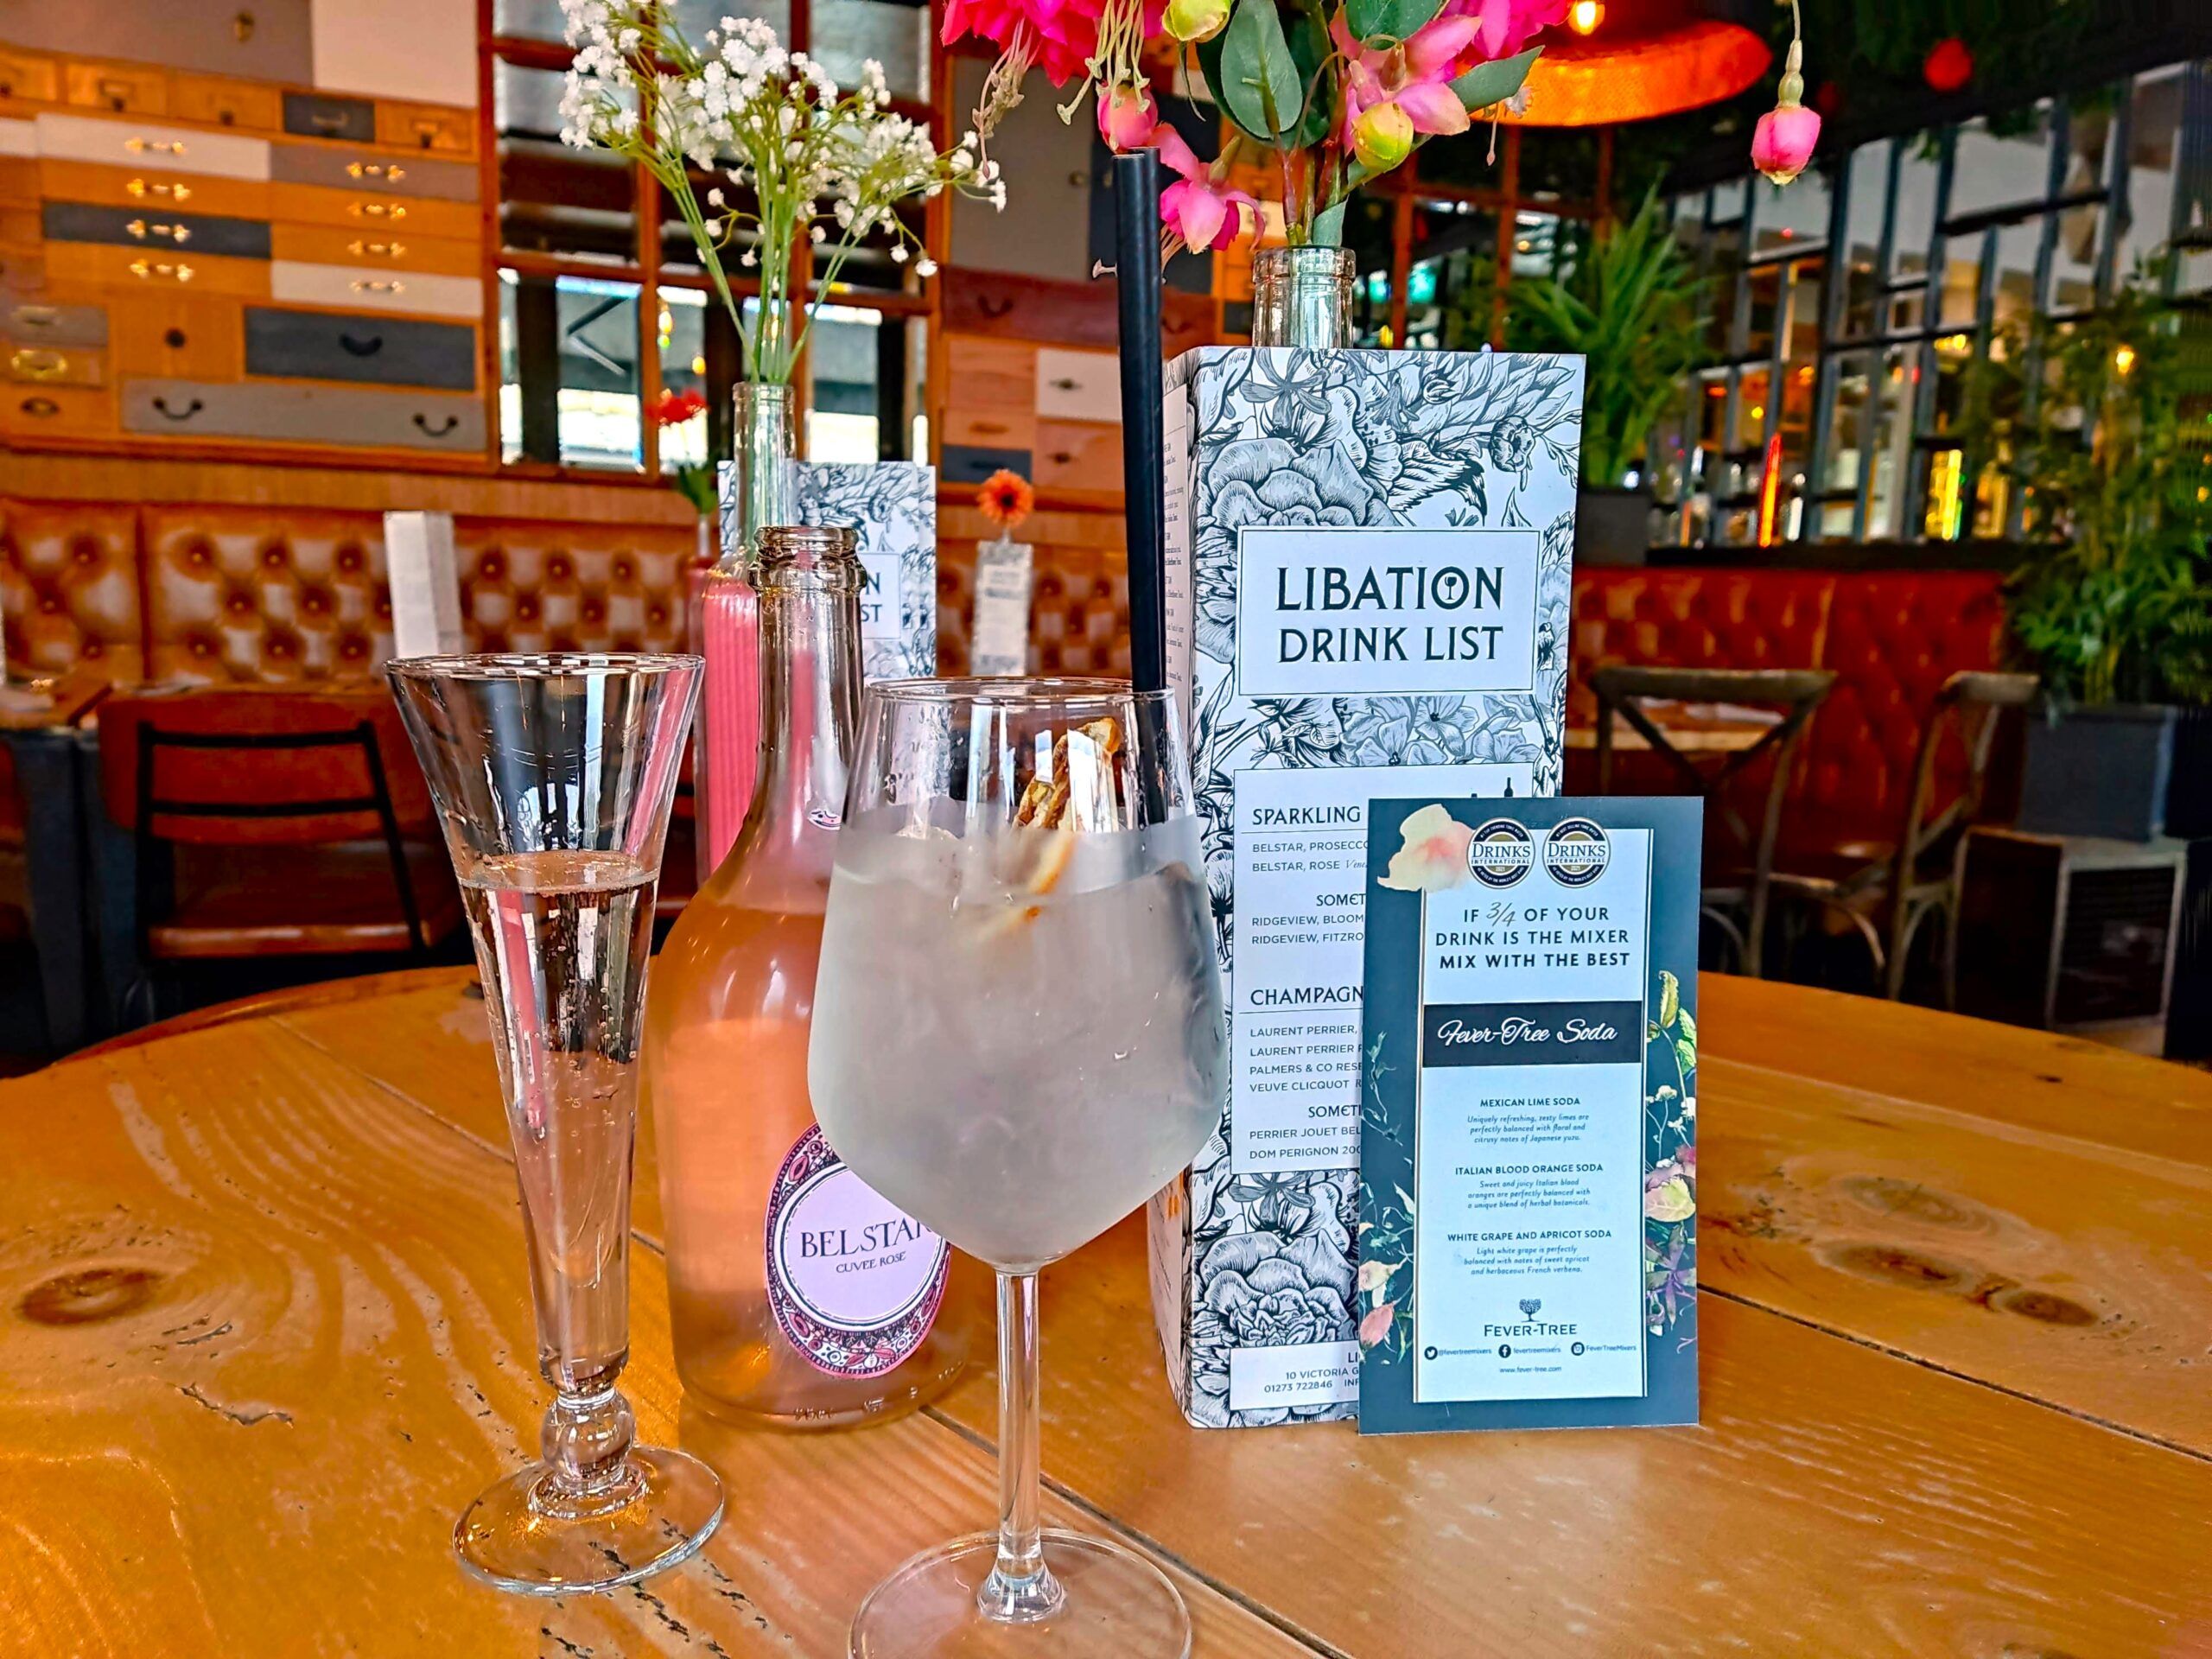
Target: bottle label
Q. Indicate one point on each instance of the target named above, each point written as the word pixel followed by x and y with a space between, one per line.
pixel 854 1282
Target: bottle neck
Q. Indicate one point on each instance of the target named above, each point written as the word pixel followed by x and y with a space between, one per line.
pixel 810 714
pixel 764 474
pixel 1302 297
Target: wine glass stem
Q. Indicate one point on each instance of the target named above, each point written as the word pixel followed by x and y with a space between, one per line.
pixel 1021 1589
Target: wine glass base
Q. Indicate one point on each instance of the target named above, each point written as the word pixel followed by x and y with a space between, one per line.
pixel 512 1544
pixel 1117 1606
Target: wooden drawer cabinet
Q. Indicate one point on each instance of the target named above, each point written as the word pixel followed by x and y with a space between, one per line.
pixel 252 40
pixel 1078 385
pixel 22 268
pixel 318 114
pixel 373 350
pixel 36 365
pixel 150 193
pixel 281 413
pixel 961 463
pixel 177 335
pixel 29 78
pixel 227 102
pixel 161 231
pixel 149 147
pixel 18 139
pixel 433 127
pixel 1078 455
pixel 988 373
pixel 57 411
pixel 994 427
pixel 359 289
pixel 79 263
pixel 19 226
pixel 121 89
pixel 377 250
pixel 366 169
pixel 47 322
pixel 363 210
pixel 18 182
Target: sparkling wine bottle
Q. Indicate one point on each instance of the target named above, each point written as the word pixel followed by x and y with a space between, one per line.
pixel 798 1295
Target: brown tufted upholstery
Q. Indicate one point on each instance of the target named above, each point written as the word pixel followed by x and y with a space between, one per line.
pixel 265 595
pixel 545 587
pixel 69 587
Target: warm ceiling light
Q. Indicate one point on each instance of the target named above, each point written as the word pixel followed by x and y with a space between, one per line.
pixel 1583 16
pixel 1658 57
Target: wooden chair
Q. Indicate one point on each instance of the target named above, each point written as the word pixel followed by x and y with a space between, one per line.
pixel 1886 892
pixel 1736 887
pixel 269 823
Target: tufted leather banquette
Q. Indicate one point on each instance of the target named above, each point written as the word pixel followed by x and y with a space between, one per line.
pixel 69 587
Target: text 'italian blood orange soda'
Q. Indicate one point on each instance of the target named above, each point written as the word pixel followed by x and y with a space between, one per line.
pixel 798 1295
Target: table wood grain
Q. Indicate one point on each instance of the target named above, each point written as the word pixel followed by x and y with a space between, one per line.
pixel 266 1331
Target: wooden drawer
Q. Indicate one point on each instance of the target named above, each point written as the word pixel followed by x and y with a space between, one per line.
pixel 18 182
pixel 19 227
pixel 254 39
pixel 368 169
pixel 147 271
pixel 434 127
pixel 28 77
pixel 178 336
pixel 272 413
pixel 362 210
pixel 997 427
pixel 227 102
pixel 358 288
pixel 161 232
pixel 57 411
pixel 318 114
pixel 1029 307
pixel 28 362
pixel 1185 322
pixel 146 147
pixel 1078 385
pixel 375 350
pixel 46 323
pixel 960 463
pixel 321 245
pixel 22 268
pixel 1078 455
pixel 120 89
pixel 987 373
pixel 19 139
pixel 150 193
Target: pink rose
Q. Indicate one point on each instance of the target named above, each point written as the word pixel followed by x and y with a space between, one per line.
pixel 1783 142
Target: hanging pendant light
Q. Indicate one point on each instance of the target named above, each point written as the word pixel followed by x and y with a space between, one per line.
pixel 1617 60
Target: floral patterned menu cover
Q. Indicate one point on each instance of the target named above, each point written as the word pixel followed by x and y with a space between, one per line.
pixel 1368 565
pixel 1527 1200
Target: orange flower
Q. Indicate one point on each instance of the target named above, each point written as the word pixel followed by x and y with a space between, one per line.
pixel 1005 498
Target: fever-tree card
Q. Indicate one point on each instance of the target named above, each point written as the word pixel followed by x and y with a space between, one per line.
pixel 1527 1231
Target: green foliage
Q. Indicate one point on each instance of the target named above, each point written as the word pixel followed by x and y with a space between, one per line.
pixel 1630 301
pixel 1395 19
pixel 1259 84
pixel 2115 462
pixel 1493 83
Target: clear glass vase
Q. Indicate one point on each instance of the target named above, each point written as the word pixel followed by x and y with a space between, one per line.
pixel 726 765
pixel 1302 297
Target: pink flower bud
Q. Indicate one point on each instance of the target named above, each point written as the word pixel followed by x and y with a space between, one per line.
pixel 1383 136
pixel 1127 118
pixel 1783 142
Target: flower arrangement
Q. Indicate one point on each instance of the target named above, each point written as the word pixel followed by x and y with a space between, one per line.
pixel 806 162
pixel 1338 91
pixel 694 481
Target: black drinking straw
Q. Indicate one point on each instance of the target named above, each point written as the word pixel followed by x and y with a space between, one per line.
pixel 1144 478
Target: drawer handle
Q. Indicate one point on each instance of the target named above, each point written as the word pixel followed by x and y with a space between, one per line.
pixel 368 286
pixel 117 93
pixel 136 145
pixel 359 347
pixel 41 408
pixel 35 364
pixel 327 120
pixel 990 426
pixel 1062 457
pixel 391 210
pixel 145 187
pixel 452 421
pixel 1065 385
pixel 994 308
pixel 142 230
pixel 161 403
pixel 390 171
pixel 378 249
pixel 427 133
pixel 37 316
pixel 148 271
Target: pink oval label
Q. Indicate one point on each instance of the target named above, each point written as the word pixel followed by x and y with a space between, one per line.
pixel 854 1280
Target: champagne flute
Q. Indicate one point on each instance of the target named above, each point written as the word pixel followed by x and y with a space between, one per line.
pixel 1018 1038
pixel 553 776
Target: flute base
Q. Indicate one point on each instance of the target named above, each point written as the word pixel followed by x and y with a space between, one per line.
pixel 1114 1604
pixel 521 1535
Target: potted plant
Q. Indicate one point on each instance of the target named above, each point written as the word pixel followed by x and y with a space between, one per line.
pixel 1631 302
pixel 2085 417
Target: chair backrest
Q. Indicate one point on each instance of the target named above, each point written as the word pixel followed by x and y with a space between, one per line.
pixel 1970 706
pixel 238 766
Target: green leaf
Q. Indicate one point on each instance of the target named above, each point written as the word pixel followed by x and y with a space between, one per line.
pixel 1670 997
pixel 1689 1028
pixel 1395 18
pixel 1329 227
pixel 1686 1053
pixel 1492 83
pixel 1209 65
pixel 1259 86
pixel 1310 49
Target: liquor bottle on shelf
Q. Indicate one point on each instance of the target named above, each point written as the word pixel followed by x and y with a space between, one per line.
pixel 799 1296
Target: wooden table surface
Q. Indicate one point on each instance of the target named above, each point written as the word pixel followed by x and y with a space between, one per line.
pixel 266 1329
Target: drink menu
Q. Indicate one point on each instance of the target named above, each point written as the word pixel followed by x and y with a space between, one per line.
pixel 1528 1115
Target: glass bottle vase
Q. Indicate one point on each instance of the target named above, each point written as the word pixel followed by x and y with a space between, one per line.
pixel 726 765
pixel 798 1296
pixel 1302 297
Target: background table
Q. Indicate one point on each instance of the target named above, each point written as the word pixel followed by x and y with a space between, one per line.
pixel 266 1329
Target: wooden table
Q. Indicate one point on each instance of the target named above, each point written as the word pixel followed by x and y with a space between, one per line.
pixel 266 1331
pixel 1695 728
